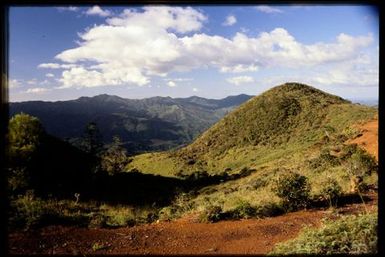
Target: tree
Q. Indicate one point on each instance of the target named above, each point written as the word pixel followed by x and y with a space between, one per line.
pixel 25 134
pixel 92 139
pixel 115 158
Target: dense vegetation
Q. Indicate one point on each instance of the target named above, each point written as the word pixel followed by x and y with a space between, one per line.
pixel 347 235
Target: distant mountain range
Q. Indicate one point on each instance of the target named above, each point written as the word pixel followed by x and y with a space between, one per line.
pixel 156 123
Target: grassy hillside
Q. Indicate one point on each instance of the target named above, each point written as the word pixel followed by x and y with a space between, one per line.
pixel 288 121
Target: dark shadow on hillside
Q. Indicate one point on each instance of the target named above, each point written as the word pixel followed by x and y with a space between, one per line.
pixel 342 201
pixel 146 189
pixel 59 170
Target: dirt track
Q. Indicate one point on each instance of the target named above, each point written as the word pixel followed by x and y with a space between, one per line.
pixel 184 236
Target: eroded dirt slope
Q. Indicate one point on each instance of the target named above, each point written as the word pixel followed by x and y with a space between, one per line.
pixel 368 138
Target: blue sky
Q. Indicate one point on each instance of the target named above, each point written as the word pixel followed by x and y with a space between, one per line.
pixel 61 53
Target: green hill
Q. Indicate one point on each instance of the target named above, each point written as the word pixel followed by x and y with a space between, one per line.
pixel 282 122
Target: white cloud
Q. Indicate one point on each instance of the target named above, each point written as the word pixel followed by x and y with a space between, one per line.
pixel 96 10
pixel 240 80
pixel 195 89
pixel 49 75
pixel 239 68
pixel 268 9
pixel 56 66
pixel 179 19
pixel 171 84
pixel 131 48
pixel 69 8
pixel 37 90
pixel 81 77
pixel 14 83
pixel 230 20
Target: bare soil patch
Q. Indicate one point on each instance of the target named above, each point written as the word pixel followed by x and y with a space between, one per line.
pixel 183 236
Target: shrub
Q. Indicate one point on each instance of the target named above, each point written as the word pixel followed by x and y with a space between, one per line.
pixel 348 235
pixel 243 210
pixel 212 213
pixel 168 213
pixel 331 191
pixel 269 210
pixel 119 218
pixel 293 189
pixel 26 211
pixel 361 163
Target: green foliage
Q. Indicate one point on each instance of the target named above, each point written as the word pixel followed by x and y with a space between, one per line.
pixel 27 211
pixel 293 189
pixel 24 136
pixel 347 235
pixel 212 213
pixel 114 159
pixel 243 210
pixel 331 191
pixel 361 163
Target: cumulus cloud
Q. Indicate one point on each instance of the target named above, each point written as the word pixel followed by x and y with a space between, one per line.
pixel 132 47
pixel 240 80
pixel 230 20
pixel 49 75
pixel 268 9
pixel 96 10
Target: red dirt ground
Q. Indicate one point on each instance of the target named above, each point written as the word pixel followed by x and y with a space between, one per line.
pixel 184 236
pixel 369 138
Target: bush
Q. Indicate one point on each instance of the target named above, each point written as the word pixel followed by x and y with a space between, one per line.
pixel 26 211
pixel 212 213
pixel 119 218
pixel 168 213
pixel 361 163
pixel 293 189
pixel 331 191
pixel 243 210
pixel 348 235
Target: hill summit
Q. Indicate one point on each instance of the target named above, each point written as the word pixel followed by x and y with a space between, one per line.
pixel 285 120
pixel 273 117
